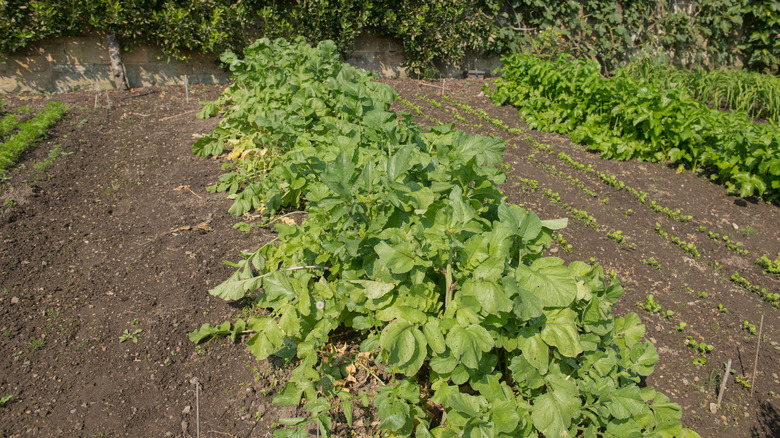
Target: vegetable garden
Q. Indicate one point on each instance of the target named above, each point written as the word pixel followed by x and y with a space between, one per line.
pixel 425 263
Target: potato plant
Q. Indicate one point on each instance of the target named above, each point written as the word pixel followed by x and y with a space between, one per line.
pixel 409 244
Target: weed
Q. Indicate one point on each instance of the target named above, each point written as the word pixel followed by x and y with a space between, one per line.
pixel 650 261
pixel 743 381
pixel 750 328
pixel 37 344
pixel 128 336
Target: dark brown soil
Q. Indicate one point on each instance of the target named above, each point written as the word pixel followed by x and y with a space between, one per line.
pixel 121 235
pixel 680 277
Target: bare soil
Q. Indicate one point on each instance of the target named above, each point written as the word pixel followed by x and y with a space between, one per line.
pixel 121 235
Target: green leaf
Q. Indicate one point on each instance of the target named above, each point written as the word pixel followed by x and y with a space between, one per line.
pixel 625 402
pixel 489 294
pixel 534 349
pixel 468 344
pixel 434 336
pixel 268 339
pixel 399 258
pixel 560 330
pixel 553 411
pixel 405 345
pixel 374 289
pixel 549 280
pixel 629 329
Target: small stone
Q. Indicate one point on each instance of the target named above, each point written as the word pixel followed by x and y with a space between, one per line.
pixel 685 381
pixel 187 410
pixel 72 411
pixel 696 379
pixel 14 300
pixel 747 415
pixel 713 408
pixel 553 250
pixel 736 227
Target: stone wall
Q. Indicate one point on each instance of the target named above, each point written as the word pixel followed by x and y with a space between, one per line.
pixel 81 63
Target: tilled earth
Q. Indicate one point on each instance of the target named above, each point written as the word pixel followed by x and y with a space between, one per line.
pixel 107 256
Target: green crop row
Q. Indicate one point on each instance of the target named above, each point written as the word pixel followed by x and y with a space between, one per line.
pixel 688 247
pixel 625 119
pixel 409 243
pixel 771 298
pixel 28 134
pixel 753 93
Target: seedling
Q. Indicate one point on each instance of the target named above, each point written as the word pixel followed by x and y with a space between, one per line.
pixel 750 328
pixel 650 261
pixel 722 308
pixel 127 336
pixel 4 401
pixel 605 201
pixel 680 327
pixel 700 361
pixel 702 347
pixel 702 295
pixel 37 344
pixel 743 380
pixel 650 305
pixel 629 212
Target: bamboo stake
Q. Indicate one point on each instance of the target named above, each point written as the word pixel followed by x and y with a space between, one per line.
pixel 755 362
pixel 723 383
pixel 187 88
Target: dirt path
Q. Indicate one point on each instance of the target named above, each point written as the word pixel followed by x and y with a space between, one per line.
pixel 116 238
pixel 543 182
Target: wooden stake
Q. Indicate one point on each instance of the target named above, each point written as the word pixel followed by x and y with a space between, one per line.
pixel 187 88
pixel 755 362
pixel 723 383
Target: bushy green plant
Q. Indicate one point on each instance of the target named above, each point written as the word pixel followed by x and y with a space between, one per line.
pixel 409 243
pixel 625 119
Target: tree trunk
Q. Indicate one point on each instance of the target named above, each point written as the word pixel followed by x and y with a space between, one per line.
pixel 115 55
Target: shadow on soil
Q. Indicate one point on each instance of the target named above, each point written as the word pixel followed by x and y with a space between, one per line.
pixel 769 421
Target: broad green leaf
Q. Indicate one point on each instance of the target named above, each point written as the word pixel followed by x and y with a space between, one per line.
pixel 374 289
pixel 625 402
pixel 468 344
pixel 553 411
pixel 434 336
pixel 267 340
pixel 534 349
pixel 549 280
pixel 556 224
pixel 630 329
pixel 490 295
pixel 399 258
pixel 560 330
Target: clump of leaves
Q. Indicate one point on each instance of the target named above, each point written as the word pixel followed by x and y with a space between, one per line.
pixel 409 243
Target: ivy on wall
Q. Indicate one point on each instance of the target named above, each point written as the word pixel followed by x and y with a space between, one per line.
pixel 716 32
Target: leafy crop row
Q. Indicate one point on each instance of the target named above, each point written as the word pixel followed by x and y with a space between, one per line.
pixel 754 93
pixel 409 243
pixel 28 133
pixel 625 119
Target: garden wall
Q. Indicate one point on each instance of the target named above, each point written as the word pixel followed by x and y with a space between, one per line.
pixel 81 63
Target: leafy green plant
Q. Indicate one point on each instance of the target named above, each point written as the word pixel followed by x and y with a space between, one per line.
pixel 769 265
pixel 770 297
pixel 652 262
pixel 29 133
pixel 5 399
pixel 409 243
pixel 625 119
pixel 701 347
pixel 750 328
pixel 680 327
pixel 702 295
pixel 722 308
pixel 131 336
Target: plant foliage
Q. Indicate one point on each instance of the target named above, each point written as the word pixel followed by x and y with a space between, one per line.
pixel 409 243
pixel 625 119
pixel 713 31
